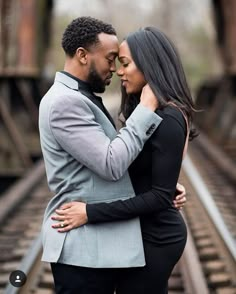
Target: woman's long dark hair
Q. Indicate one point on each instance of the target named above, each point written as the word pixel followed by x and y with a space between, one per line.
pixel 157 58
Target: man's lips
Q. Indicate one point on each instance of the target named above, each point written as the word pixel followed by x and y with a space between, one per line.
pixel 108 80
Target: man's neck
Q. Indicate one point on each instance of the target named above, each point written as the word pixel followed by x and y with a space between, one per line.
pixel 74 70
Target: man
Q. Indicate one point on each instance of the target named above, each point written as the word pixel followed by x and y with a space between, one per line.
pixel 87 160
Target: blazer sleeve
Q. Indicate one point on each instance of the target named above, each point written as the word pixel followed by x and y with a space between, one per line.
pixel 74 126
pixel 167 150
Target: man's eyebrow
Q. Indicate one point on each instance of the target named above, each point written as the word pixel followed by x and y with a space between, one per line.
pixel 115 54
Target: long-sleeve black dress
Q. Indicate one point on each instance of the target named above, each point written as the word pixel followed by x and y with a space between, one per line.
pixel 154 175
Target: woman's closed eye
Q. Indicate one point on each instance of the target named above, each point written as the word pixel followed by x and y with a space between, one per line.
pixel 124 64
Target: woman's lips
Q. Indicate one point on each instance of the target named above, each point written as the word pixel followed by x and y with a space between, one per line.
pixel 124 83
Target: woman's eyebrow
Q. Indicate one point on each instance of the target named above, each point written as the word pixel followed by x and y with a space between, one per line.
pixel 121 57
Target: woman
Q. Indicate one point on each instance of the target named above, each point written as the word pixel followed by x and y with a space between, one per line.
pixel 148 57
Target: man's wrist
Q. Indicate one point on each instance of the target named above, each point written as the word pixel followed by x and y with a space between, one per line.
pixel 150 106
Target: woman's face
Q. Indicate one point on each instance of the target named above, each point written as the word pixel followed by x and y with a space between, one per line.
pixel 131 77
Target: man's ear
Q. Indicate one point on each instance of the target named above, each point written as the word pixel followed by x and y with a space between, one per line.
pixel 82 55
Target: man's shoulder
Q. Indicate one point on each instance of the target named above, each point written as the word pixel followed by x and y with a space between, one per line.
pixel 65 99
pixel 59 92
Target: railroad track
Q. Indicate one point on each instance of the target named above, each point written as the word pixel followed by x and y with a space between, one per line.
pixel 21 212
pixel 207 266
pixel 210 213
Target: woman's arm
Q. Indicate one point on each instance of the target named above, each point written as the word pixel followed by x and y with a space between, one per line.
pixel 167 145
pixel 167 150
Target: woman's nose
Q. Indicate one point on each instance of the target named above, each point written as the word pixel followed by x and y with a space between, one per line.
pixel 119 72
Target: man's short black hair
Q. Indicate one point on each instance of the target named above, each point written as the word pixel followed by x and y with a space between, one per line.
pixel 83 32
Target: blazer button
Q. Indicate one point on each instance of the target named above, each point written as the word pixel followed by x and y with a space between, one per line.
pixel 150 130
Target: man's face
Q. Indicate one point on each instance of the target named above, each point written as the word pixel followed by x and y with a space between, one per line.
pixel 102 62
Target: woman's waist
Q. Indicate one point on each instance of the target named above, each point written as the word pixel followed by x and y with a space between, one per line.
pixel 168 217
pixel 164 227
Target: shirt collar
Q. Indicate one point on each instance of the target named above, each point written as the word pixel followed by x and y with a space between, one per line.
pixel 79 83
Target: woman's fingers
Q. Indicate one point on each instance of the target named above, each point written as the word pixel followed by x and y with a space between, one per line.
pixel 65 229
pixel 61 211
pixel 180 199
pixel 61 224
pixel 64 226
pixel 179 204
pixel 58 217
pixel 180 188
pixel 70 216
pixel 67 205
pixel 148 98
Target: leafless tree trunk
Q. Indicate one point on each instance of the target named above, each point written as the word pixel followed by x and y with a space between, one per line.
pixel 220 119
pixel 27 34
pixel 4 31
pixel 225 20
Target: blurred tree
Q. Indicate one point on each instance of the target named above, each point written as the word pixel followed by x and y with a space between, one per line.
pixel 218 95
pixel 225 21
pixel 178 19
pixel 24 34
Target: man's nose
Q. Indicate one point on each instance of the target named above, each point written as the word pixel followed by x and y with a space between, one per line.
pixel 113 67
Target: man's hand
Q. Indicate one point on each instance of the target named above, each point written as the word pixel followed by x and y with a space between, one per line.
pixel 148 99
pixel 180 198
pixel 70 216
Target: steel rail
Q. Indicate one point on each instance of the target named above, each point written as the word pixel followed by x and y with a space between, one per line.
pixel 209 204
pixel 29 266
pixel 191 268
pixel 218 156
pixel 20 191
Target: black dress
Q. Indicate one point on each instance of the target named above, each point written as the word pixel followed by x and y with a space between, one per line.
pixel 154 175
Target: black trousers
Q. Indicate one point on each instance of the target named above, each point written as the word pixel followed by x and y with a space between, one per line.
pixel 153 277
pixel 150 279
pixel 71 279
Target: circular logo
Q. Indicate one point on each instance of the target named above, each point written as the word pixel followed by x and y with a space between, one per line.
pixel 17 278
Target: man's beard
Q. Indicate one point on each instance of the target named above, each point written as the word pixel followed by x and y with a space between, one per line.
pixel 96 83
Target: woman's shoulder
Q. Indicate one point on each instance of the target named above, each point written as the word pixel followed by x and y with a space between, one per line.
pixel 172 112
pixel 173 115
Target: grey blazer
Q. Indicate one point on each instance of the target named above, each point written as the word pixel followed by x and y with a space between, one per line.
pixel 86 160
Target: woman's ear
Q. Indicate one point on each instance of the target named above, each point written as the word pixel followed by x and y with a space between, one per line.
pixel 82 55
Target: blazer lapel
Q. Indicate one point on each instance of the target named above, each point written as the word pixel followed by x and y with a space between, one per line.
pixel 98 101
pixel 69 81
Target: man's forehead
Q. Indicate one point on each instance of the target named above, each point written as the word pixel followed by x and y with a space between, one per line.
pixel 109 43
